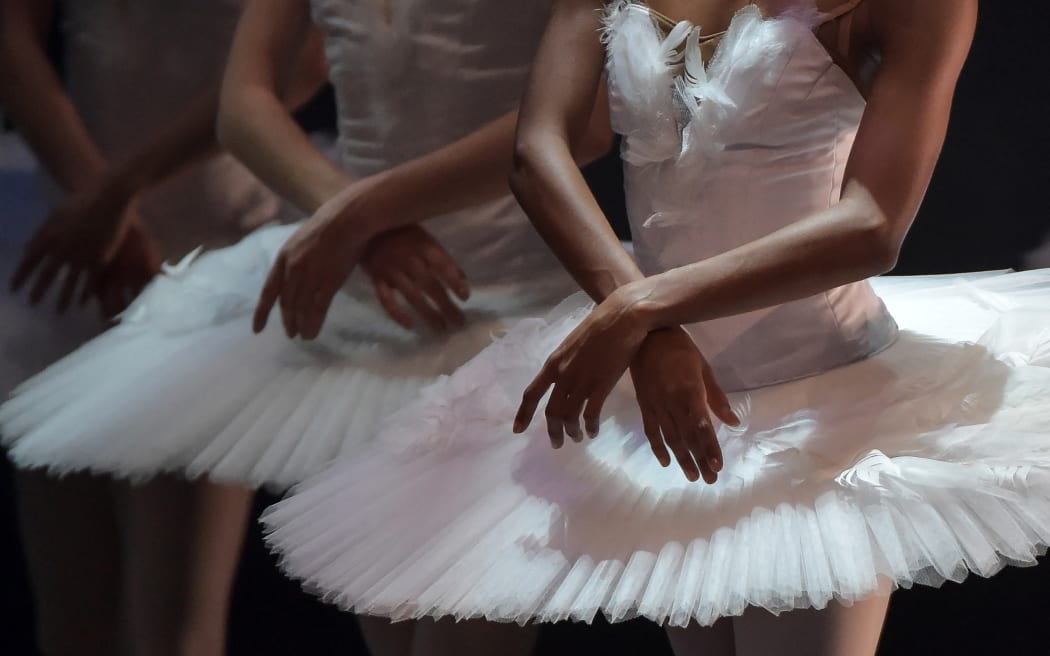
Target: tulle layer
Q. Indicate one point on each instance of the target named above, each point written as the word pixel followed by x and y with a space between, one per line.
pixel 919 465
pixel 181 385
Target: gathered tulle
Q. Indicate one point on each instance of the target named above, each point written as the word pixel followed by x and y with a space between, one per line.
pixel 181 385
pixel 893 457
pixel 919 465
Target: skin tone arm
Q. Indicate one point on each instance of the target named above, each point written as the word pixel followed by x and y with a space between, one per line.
pixel 86 231
pixel 49 122
pixel 255 125
pixel 253 121
pixel 923 48
pixel 560 100
pixel 316 261
pixel 548 185
pixel 36 100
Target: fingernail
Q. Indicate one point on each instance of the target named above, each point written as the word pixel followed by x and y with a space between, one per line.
pixel 518 427
pixel 716 464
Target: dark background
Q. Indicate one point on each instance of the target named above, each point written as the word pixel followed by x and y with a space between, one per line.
pixel 988 204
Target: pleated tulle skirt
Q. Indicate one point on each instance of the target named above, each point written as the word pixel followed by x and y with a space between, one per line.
pixel 918 465
pixel 182 386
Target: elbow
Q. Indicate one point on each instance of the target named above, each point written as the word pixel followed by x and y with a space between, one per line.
pixel 525 164
pixel 878 245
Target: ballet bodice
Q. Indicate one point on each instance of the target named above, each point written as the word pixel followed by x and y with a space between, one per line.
pixel 412 76
pixel 721 153
pixel 133 66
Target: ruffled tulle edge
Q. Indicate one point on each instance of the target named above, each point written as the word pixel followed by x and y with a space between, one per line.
pixel 1029 541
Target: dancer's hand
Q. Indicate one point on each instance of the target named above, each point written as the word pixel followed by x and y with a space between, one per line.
pixel 135 263
pixel 312 266
pixel 82 236
pixel 585 367
pixel 677 394
pixel 410 263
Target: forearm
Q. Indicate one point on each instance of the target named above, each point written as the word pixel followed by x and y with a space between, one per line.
pixel 553 192
pixel 43 112
pixel 277 62
pixel 849 242
pixel 462 174
pixel 258 129
pixel 182 144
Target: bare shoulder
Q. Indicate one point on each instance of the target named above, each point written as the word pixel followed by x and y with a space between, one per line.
pixel 930 32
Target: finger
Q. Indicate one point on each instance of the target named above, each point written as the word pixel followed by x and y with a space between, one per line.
pixel 32 256
pixel 553 414
pixel 388 301
pixel 453 277
pixel 717 400
pixel 109 301
pixel 69 288
pixel 316 312
pixel 290 301
pixel 702 441
pixel 410 292
pixel 570 411
pixel 712 450
pixel 91 286
pixel 592 415
pixel 678 446
pixel 531 398
pixel 44 279
pixel 268 296
pixel 706 457
pixel 655 437
pixel 438 295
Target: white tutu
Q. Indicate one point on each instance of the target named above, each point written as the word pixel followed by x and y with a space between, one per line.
pixel 181 384
pixel 917 465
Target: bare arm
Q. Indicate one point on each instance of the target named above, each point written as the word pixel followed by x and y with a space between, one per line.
pixel 466 172
pixel 638 325
pixel 924 46
pixel 254 125
pixel 349 216
pixel 555 120
pixel 277 48
pixel 37 102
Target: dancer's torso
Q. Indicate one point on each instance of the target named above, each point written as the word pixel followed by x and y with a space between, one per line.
pixel 751 141
pixel 132 67
pixel 412 76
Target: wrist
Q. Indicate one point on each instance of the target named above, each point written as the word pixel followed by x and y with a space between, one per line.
pixel 638 304
pixel 119 187
pixel 378 205
pixel 86 178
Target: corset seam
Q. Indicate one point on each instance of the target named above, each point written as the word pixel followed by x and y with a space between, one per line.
pixel 838 321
